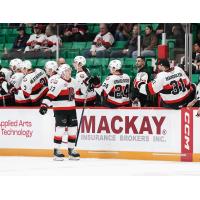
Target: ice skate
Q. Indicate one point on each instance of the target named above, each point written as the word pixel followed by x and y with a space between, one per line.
pixel 58 156
pixel 73 154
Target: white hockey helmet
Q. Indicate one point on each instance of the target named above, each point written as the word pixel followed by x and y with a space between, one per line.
pixel 51 65
pixel 15 63
pixel 62 68
pixel 80 59
pixel 116 64
pixel 26 64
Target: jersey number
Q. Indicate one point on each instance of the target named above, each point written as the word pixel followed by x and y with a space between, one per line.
pixel 178 86
pixel 121 91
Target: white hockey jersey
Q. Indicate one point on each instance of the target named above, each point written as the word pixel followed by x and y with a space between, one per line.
pixel 35 38
pixel 8 73
pixel 61 94
pixel 101 40
pixel 116 90
pixel 16 81
pixel 34 85
pixel 174 86
pixel 80 95
pixel 52 79
pixel 50 42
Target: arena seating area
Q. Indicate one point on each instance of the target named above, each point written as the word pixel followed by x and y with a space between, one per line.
pixel 68 50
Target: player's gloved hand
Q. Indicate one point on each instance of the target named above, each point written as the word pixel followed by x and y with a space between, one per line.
pixel 13 90
pixel 43 109
pixel 95 81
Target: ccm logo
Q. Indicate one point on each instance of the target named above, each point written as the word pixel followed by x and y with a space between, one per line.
pixel 187 130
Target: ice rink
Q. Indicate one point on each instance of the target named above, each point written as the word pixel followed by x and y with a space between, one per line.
pixel 43 166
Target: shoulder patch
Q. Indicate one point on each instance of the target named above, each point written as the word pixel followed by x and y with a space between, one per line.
pixel 82 75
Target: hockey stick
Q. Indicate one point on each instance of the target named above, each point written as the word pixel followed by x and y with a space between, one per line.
pixel 84 105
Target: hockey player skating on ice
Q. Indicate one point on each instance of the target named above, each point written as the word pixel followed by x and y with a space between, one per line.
pixel 61 97
pixel 116 87
pixel 174 86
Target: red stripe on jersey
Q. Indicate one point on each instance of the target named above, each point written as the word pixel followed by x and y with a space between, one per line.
pixel 178 100
pixel 88 99
pixel 51 96
pixel 37 87
pixel 150 87
pixel 104 93
pixel 64 92
pixel 78 92
pixel 64 108
pixel 72 137
pixel 117 103
pixel 41 95
pixel 168 87
pixel 26 94
pixel 22 101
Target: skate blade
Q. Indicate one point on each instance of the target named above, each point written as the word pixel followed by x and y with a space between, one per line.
pixel 74 158
pixel 58 158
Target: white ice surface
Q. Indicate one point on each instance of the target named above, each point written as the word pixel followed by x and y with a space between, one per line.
pixel 46 166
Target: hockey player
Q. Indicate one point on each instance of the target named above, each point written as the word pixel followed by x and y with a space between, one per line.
pixel 116 88
pixel 173 85
pixel 51 68
pixel 16 81
pixel 82 78
pixel 5 97
pixel 61 97
pixel 34 84
pixel 14 63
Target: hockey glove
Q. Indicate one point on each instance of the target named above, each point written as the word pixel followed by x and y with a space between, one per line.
pixel 43 109
pixel 95 81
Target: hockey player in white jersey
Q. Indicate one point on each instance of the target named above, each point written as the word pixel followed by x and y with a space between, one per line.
pixel 16 81
pixel 34 84
pixel 116 87
pixel 51 68
pixel 14 63
pixel 83 77
pixel 172 84
pixel 61 97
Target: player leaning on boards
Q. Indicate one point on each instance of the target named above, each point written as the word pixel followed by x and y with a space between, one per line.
pixel 116 87
pixel 61 97
pixel 83 77
pixel 196 101
pixel 172 83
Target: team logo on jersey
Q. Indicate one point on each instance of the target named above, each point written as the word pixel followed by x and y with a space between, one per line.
pixel 55 81
pixel 82 76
